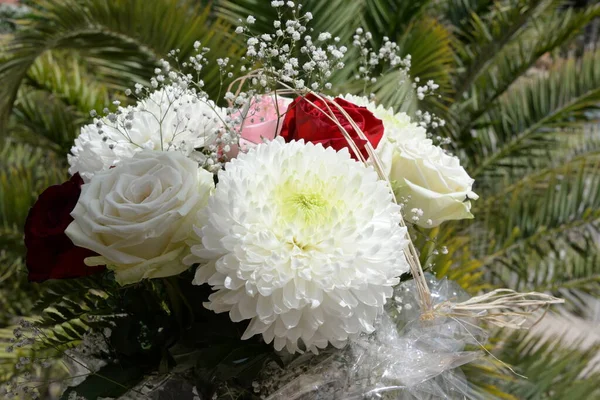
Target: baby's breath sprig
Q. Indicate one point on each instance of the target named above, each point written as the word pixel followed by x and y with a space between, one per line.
pixel 383 60
pixel 430 122
pixel 290 54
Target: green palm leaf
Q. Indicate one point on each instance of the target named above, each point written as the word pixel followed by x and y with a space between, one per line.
pixel 528 117
pixel 546 33
pixel 121 41
pixel 488 34
pixel 554 369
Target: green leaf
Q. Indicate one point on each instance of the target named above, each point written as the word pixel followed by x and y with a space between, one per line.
pixel 528 118
pixel 489 33
pixel 120 41
pixel 554 369
pixel 543 34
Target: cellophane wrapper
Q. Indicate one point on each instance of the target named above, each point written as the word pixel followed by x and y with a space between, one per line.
pixel 407 357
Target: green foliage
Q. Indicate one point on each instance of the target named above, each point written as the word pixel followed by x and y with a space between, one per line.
pixel 68 310
pixel 527 121
pixel 121 41
pixel 16 295
pixel 429 44
pixel 487 34
pixel 425 38
pixel 554 369
pixel 547 238
pixel 24 173
pixel 325 14
pixel 8 13
pixel 544 34
pixel 54 101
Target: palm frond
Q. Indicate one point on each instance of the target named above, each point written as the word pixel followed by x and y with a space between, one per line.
pixel 546 33
pixel 42 120
pixel 550 209
pixel 555 369
pixel 120 41
pixel 458 13
pixel 488 34
pixel 388 17
pixel 24 173
pixel 53 102
pixel 528 116
pixel 574 149
pixel 337 17
pixel 543 235
pixel 66 77
pixel 17 296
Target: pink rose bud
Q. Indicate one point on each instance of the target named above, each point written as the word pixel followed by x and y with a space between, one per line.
pixel 263 121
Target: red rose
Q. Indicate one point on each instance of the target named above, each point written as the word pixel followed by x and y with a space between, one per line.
pixel 304 121
pixel 50 253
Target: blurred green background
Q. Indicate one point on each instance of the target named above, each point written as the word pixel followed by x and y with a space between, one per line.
pixel 519 90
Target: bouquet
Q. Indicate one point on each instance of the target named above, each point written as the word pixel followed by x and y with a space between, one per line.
pixel 257 245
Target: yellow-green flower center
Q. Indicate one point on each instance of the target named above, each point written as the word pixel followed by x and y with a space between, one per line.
pixel 307 205
pixel 304 203
pixel 309 202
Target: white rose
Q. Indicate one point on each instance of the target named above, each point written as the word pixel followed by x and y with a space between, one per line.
pixel 138 215
pixel 430 180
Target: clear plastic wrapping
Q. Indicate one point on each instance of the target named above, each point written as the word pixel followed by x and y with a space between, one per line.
pixel 406 358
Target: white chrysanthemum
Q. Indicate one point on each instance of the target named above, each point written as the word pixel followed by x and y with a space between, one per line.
pixel 92 154
pixel 303 241
pixel 398 128
pixel 169 119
